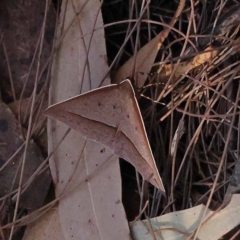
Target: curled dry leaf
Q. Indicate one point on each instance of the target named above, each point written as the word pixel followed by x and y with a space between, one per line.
pixel 110 115
pixel 141 64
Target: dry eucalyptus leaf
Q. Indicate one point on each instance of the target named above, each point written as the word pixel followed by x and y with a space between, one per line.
pixel 93 210
pixel 179 225
pixel 38 229
pixel 110 115
pixel 11 141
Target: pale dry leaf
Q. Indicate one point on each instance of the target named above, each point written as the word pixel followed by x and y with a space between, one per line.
pixel 222 222
pixel 179 225
pixel 46 227
pixel 94 209
pixel 110 115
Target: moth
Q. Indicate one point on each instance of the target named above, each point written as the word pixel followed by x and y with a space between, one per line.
pixel 111 115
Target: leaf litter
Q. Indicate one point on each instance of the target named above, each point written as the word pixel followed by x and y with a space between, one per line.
pixel 192 86
pixel 195 87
